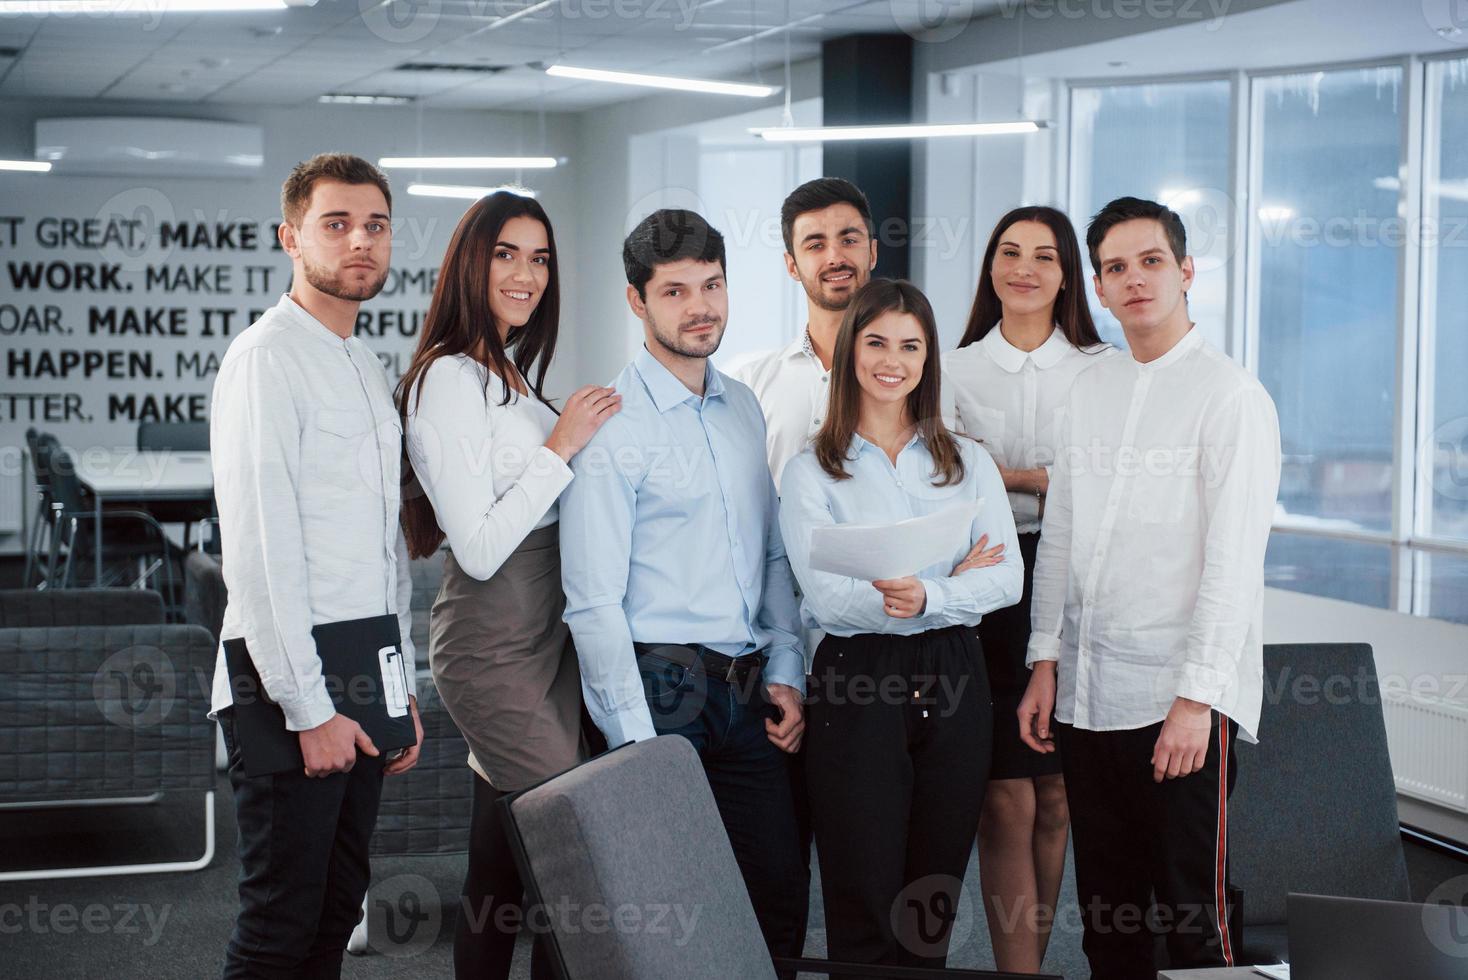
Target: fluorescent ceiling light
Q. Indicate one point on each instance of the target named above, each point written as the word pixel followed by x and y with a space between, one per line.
pixel 133 7
pixel 344 98
pixel 662 81
pixel 26 166
pixel 470 163
pixel 463 191
pixel 814 134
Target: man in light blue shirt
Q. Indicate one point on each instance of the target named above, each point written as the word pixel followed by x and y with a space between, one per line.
pixel 678 592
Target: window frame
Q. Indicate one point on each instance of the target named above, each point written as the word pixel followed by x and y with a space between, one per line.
pixel 1420 147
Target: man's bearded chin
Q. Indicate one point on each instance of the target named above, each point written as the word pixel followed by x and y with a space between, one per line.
pixel 333 286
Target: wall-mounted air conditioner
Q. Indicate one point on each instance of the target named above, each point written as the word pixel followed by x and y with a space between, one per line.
pixel 121 146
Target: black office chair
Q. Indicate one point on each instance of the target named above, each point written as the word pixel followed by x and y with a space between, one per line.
pixel 134 547
pixel 36 555
pixel 177 437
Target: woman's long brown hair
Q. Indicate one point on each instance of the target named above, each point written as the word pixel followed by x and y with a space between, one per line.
pixel 460 321
pixel 1071 312
pixel 833 442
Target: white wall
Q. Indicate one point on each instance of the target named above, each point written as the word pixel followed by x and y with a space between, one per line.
pixel 82 416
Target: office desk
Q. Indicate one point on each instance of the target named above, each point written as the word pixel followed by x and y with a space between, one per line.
pixel 141 477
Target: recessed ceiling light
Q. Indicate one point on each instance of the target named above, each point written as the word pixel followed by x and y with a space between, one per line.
pixel 662 81
pixel 817 134
pixel 470 163
pixel 346 98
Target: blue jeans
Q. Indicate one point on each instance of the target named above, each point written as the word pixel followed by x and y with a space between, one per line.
pixel 750 782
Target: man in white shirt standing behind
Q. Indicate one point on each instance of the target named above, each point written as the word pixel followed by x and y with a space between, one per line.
pixel 306 446
pixel 830 251
pixel 1146 651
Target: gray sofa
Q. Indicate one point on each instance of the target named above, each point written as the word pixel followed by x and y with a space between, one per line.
pixel 102 703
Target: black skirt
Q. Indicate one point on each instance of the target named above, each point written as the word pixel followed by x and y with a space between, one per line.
pixel 1005 636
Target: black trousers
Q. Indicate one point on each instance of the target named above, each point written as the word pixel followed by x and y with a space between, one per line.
pixel 750 780
pixel 303 851
pixel 491 912
pixel 1137 840
pixel 897 757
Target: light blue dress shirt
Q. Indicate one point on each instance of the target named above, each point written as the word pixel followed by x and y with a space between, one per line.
pixel 880 493
pixel 670 534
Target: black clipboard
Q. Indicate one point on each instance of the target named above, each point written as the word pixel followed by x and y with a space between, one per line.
pixel 362 663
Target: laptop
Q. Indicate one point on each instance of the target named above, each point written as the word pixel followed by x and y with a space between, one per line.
pixel 1364 939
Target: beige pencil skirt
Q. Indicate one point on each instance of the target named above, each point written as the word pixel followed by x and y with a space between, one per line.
pixel 504 664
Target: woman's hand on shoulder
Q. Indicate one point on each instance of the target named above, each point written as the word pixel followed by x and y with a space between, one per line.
pixel 585 412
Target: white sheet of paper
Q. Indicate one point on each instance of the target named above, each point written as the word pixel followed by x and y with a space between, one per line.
pixel 1280 971
pixel 872 552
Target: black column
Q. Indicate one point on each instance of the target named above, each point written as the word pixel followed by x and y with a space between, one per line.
pixel 866 79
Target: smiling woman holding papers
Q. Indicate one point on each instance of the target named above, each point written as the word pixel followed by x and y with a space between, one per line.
pixel 899 725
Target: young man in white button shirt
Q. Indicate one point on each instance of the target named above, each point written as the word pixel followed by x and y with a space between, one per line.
pixel 1146 650
pixel 306 446
pixel 830 250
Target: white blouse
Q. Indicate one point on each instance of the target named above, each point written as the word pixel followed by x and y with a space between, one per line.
pixel 1012 401
pixel 483 465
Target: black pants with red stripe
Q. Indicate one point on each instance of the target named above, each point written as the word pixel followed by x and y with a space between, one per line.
pixel 1149 857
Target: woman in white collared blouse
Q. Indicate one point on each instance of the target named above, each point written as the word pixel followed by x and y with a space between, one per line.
pixel 489 457
pixel 1028 336
pixel 898 724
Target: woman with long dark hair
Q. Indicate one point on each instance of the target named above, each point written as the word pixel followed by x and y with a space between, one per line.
pixel 898 724
pixel 489 456
pixel 1029 334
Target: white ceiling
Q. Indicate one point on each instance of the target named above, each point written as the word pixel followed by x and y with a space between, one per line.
pixel 291 57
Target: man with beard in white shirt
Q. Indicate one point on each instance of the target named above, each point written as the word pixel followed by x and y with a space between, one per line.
pixel 830 250
pixel 1146 645
pixel 306 444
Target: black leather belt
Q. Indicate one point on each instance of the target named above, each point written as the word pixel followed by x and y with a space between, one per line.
pixel 732 670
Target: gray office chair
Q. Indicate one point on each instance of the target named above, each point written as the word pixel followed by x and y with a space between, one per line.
pixel 1315 806
pixel 636 830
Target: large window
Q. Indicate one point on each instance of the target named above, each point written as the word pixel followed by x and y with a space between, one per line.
pixel 1324 192
pixel 1184 128
pixel 1350 251
pixel 1443 462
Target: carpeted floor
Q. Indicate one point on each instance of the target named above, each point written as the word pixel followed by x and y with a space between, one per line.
pixel 174 927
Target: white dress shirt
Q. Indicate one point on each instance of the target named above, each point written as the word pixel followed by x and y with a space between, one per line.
pixel 1012 400
pixel 793 391
pixel 305 444
pixel 878 492
pixel 483 464
pixel 1149 582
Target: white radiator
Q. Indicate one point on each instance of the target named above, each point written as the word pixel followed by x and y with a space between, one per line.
pixel 1428 741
